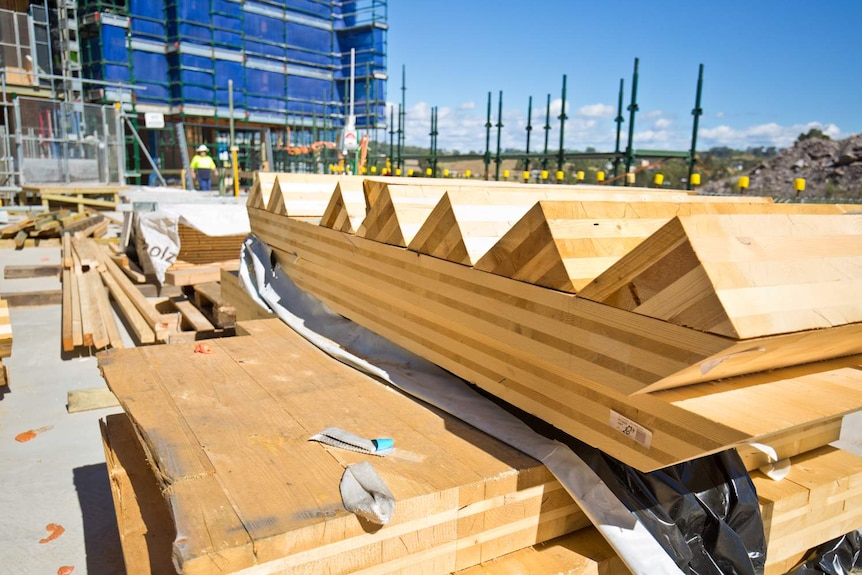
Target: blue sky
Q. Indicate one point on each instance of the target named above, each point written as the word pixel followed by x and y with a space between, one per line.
pixel 772 69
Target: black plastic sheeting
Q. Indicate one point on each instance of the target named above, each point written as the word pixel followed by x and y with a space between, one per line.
pixel 842 556
pixel 705 513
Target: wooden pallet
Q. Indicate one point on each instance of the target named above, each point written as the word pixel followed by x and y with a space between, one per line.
pixel 233 293
pixel 208 298
pixel 226 434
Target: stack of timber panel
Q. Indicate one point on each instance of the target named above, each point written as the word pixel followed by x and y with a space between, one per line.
pixel 226 438
pixel 583 366
pixel 197 247
pixel 649 382
pixel 5 340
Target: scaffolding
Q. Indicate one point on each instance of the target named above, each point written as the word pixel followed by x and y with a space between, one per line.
pixel 286 60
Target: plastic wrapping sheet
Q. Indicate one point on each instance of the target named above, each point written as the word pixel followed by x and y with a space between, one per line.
pixel 841 556
pixel 705 513
pixel 698 518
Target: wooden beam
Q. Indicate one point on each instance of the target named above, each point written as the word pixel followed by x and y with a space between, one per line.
pixel 346 209
pixel 135 321
pixel 33 298
pixel 67 337
pixel 159 324
pixel 111 330
pixel 193 318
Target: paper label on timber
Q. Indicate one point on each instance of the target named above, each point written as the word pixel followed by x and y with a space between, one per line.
pixel 631 429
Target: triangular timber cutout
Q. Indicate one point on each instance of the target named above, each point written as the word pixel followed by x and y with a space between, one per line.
pixel 276 200
pixel 396 220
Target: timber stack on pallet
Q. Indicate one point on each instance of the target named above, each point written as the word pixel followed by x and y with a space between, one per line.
pixel 5 340
pixel 658 327
pixel 49 225
pixel 226 435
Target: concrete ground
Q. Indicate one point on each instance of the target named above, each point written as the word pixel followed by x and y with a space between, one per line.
pixel 58 477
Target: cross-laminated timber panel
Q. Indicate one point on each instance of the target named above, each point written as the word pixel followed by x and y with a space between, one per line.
pixel 745 276
pixel 569 361
pixel 227 436
pixel 565 245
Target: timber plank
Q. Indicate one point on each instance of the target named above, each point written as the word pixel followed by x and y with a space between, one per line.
pixel 68 340
pixel 5 330
pixel 135 321
pixel 88 310
pixel 464 233
pixel 155 321
pixel 20 272
pixel 103 304
pixel 207 297
pixel 553 354
pixel 462 497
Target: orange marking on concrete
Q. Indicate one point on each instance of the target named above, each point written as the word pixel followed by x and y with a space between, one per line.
pixel 26 436
pixel 55 530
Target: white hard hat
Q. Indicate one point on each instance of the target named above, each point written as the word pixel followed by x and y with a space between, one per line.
pixel 202 148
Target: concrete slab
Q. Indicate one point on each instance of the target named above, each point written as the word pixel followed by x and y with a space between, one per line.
pixel 29 257
pixel 58 475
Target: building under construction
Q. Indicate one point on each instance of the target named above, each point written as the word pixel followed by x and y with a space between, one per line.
pixel 93 89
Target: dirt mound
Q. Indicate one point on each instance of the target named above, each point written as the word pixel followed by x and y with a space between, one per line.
pixel 832 170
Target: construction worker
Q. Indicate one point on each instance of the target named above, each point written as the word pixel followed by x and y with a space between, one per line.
pixel 203 168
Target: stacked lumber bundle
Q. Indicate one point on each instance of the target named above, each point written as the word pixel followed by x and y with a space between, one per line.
pixel 53 225
pixel 226 434
pixel 197 247
pixel 656 327
pixel 88 320
pixel 5 340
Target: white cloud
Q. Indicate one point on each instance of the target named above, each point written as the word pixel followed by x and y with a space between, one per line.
pixel 719 115
pixel 463 129
pixel 596 111
pixel 468 106
pixel 771 134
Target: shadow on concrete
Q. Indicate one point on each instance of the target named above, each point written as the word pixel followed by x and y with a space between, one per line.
pixel 101 536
